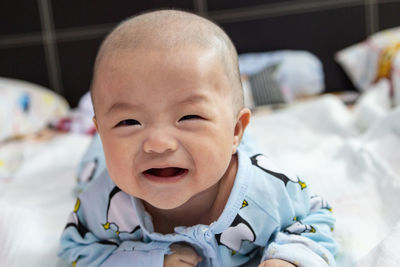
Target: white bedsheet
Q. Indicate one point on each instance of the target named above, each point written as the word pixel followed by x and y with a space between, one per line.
pixel 350 157
pixel 355 166
pixel 36 201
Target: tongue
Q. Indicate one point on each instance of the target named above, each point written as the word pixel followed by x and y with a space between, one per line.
pixel 165 172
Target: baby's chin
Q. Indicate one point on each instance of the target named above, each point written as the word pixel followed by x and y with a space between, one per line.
pixel 168 203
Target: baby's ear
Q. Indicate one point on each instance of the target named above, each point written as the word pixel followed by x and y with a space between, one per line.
pixel 242 120
pixel 95 123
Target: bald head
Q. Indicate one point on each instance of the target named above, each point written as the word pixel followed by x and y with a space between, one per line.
pixel 171 29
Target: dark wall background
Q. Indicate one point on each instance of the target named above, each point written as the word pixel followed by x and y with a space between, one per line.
pixel 54 42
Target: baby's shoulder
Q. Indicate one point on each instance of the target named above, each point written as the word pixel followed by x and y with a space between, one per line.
pixel 266 171
pixel 270 181
pixel 98 189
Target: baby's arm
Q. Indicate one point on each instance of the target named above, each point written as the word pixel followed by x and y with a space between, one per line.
pixel 88 250
pixel 308 239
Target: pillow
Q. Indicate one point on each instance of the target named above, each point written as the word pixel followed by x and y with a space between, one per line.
pixel 265 89
pixel 368 61
pixel 297 72
pixel 26 108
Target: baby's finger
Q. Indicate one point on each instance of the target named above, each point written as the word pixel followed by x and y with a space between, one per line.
pixel 191 260
pixel 186 254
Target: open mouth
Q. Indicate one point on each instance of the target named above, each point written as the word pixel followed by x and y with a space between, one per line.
pixel 170 172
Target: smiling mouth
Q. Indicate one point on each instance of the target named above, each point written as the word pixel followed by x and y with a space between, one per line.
pixel 164 173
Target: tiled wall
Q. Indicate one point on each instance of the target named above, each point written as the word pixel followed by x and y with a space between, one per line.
pixel 54 42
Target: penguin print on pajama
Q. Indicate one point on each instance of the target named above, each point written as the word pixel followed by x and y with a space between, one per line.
pixel 264 164
pixel 121 216
pixel 87 172
pixel 239 231
pixel 318 202
pixel 298 228
pixel 73 220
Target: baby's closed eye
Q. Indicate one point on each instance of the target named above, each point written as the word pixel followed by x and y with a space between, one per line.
pixel 128 122
pixel 190 117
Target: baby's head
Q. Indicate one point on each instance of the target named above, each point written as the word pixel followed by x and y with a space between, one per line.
pixel 168 106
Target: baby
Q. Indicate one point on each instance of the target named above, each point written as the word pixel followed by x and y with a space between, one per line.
pixel 178 189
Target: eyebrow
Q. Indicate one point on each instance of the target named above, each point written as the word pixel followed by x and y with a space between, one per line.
pixel 194 99
pixel 120 106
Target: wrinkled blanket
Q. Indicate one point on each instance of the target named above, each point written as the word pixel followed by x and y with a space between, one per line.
pixel 351 158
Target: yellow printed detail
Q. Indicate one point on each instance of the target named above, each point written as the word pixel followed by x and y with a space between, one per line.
pixel 77 205
pixel 244 204
pixel 2 163
pixel 74 264
pixel 106 226
pixel 302 184
pixel 233 252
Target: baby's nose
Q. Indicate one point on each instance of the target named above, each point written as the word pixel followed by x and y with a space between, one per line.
pixel 159 142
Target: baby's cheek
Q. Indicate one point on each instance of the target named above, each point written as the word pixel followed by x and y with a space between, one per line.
pixel 216 160
pixel 117 153
pixel 119 167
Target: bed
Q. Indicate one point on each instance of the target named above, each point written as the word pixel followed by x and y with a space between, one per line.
pixel 349 153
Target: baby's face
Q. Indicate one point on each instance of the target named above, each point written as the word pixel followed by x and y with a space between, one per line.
pixel 166 121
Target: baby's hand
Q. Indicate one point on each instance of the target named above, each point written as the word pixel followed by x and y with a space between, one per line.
pixel 276 263
pixel 182 255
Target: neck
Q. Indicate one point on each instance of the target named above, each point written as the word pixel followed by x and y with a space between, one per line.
pixel 203 208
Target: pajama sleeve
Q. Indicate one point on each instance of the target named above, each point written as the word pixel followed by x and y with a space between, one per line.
pixel 83 248
pixel 307 222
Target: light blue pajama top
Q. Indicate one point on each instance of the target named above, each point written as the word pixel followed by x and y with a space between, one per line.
pixel 269 214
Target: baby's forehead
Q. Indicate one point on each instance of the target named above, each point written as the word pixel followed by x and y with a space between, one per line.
pixel 189 61
pixel 185 55
pixel 188 80
pixel 169 31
